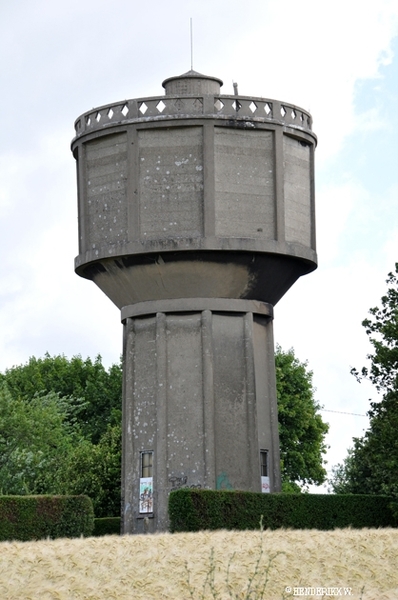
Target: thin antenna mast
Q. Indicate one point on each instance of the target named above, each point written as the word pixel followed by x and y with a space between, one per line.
pixel 191 45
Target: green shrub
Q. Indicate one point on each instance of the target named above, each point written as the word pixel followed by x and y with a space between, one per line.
pixel 194 510
pixel 106 526
pixel 36 517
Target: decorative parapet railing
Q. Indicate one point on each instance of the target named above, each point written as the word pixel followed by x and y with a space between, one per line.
pixel 166 107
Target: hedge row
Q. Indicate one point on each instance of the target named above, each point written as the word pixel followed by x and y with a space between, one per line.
pixel 106 526
pixel 26 518
pixel 194 510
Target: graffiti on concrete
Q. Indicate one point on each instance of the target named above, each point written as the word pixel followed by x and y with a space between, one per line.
pixel 223 482
pixel 178 483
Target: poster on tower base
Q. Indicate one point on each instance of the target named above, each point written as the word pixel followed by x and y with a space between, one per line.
pixel 146 495
pixel 265 487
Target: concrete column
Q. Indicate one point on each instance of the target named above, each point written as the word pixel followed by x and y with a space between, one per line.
pixel 203 403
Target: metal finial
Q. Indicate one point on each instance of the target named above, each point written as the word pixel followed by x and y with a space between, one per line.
pixel 191 45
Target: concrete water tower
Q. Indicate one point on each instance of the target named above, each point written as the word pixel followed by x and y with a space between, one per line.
pixel 196 215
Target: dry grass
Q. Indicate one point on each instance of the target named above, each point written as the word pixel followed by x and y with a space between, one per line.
pixel 159 566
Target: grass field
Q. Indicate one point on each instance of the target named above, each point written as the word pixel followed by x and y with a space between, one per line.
pixel 192 566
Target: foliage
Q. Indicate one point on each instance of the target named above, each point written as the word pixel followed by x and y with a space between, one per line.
pixel 35 440
pixel 371 466
pixel 60 428
pixel 36 517
pixel 301 429
pixel 106 526
pixel 95 470
pixel 382 329
pixel 194 510
pixel 93 395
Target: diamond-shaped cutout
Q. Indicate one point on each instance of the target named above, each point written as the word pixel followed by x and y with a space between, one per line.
pixel 98 117
pixel 88 120
pixel 236 105
pixel 283 111
pixel 110 113
pixel 302 118
pixel 143 108
pixel 161 106
pixel 267 108
pixel 125 110
pixel 293 114
pixel 179 104
pixel 253 106
pixel 218 104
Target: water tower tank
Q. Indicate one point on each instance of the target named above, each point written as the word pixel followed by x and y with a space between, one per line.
pixel 196 215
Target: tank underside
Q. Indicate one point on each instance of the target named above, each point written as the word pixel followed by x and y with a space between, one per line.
pixel 206 274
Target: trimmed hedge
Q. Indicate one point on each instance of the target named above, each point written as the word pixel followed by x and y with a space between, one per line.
pixel 26 518
pixel 106 526
pixel 194 510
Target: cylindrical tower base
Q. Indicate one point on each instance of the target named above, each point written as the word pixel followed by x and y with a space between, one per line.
pixel 199 403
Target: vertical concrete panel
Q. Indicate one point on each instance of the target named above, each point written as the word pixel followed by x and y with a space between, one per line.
pixel 244 183
pixel 144 404
pixel 266 403
pixel 185 435
pixel 279 186
pixel 128 508
pixel 297 191
pixel 171 182
pixel 132 189
pixel 209 219
pixel 230 397
pixel 251 402
pixel 209 449
pixel 79 154
pixel 161 446
pixel 105 190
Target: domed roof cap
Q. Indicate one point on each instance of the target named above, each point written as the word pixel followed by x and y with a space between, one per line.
pixel 192 83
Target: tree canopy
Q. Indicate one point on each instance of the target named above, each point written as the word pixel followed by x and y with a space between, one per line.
pixel 34 440
pixel 372 464
pixel 94 394
pixel 301 429
pixel 60 428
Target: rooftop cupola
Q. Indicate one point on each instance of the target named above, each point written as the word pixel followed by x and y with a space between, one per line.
pixel 192 83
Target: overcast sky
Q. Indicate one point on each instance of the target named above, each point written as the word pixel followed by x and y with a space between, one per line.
pixel 337 59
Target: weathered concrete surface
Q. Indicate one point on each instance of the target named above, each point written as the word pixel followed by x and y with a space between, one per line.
pixel 191 180
pixel 200 393
pixel 196 215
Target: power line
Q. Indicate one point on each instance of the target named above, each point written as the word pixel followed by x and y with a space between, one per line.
pixel 340 412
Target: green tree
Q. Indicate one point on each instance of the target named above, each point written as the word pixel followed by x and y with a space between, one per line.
pixel 60 422
pixel 35 439
pixel 95 470
pixel 301 429
pixel 93 395
pixel 372 464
